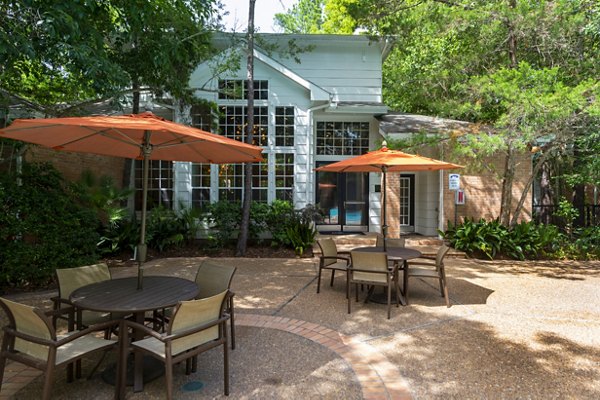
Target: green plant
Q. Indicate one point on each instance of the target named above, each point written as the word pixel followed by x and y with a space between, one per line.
pixel 164 229
pixel 568 213
pixel 277 220
pixel 301 235
pixel 45 224
pixel 225 217
pixel 477 237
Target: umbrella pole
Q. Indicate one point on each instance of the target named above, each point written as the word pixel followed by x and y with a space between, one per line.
pixel 142 247
pixel 384 224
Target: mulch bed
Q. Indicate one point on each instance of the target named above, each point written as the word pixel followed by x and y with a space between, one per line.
pixel 199 249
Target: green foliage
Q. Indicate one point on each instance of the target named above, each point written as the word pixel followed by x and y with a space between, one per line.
pixel 526 240
pixel 301 231
pixel 60 55
pixel 281 212
pixel 225 217
pixel 44 225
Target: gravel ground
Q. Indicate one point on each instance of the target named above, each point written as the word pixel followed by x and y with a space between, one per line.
pixel 516 330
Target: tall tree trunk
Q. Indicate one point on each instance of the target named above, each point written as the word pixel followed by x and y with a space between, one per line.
pixel 540 164
pixel 545 195
pixel 245 224
pixel 135 86
pixel 509 167
pixel 507 183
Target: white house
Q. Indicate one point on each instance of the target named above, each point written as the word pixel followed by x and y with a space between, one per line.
pixel 321 109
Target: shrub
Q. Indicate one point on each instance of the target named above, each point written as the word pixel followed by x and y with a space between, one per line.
pixel 277 221
pixel 44 224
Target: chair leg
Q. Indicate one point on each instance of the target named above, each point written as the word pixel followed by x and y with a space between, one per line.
pixel 319 280
pixel 232 323
pixel 348 294
pixel 389 299
pixel 195 364
pixel 188 365
pixel 332 276
pixel 169 377
pixel 49 375
pixel 405 279
pixel 3 352
pixel 226 367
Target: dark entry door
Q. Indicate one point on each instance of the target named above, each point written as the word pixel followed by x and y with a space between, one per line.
pixel 344 199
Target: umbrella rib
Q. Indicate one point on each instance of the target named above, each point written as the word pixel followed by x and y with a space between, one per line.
pixel 125 139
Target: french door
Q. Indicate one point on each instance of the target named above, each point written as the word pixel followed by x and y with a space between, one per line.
pixel 343 197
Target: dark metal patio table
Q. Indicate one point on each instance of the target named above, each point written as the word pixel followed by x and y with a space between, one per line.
pixel 122 296
pixel 395 254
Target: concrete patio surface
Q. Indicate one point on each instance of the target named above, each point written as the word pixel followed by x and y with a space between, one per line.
pixel 516 330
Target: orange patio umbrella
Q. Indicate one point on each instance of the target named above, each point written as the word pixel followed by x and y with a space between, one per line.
pixel 141 136
pixel 385 160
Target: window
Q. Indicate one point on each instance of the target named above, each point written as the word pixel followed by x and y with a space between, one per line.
pixel 342 138
pixel 231 182
pixel 202 117
pixel 232 122
pixel 284 126
pixel 235 89
pixel 160 184
pixel 200 185
pixel 284 177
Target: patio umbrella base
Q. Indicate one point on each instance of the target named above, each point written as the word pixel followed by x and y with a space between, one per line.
pixel 152 369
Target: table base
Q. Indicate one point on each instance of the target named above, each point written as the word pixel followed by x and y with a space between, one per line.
pixel 152 369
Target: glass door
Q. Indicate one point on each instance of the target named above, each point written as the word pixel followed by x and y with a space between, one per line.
pixel 343 197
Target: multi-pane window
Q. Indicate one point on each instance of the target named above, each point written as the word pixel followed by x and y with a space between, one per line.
pixel 284 177
pixel 237 89
pixel 160 184
pixel 260 181
pixel 231 182
pixel 202 117
pixel 200 185
pixel 232 122
pixel 342 138
pixel 284 126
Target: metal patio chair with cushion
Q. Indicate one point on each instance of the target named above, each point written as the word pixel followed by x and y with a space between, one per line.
pixel 213 278
pixel 195 327
pixel 70 279
pixel 331 259
pixel 372 269
pixel 31 339
pixel 429 269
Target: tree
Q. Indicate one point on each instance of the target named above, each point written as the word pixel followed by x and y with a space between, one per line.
pixel 528 68
pixel 57 57
pixel 316 16
pixel 245 224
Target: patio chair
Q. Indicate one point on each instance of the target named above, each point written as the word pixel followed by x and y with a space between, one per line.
pixel 70 279
pixel 331 259
pixel 31 339
pixel 372 269
pixel 433 269
pixel 390 242
pixel 195 327
pixel 212 279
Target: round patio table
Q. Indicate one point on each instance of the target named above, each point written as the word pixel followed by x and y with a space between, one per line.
pixel 396 254
pixel 122 296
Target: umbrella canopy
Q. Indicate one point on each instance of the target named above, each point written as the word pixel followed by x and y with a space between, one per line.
pixel 128 135
pixel 142 136
pixel 385 160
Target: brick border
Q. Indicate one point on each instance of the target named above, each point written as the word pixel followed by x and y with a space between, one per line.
pixel 379 379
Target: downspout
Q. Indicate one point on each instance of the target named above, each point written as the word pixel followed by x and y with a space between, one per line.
pixel 441 195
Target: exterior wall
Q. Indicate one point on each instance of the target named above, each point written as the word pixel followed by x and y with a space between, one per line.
pixel 71 165
pixel 483 192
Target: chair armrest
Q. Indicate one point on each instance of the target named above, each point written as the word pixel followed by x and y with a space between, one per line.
pixel 145 329
pixel 59 311
pixel 432 264
pixel 90 329
pixel 335 258
pixel 196 329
